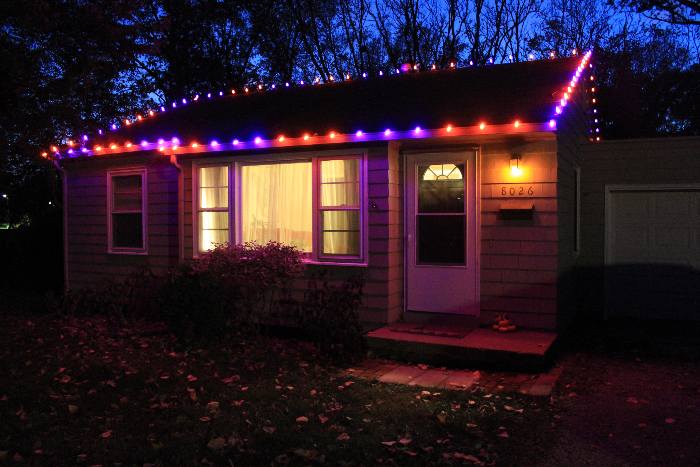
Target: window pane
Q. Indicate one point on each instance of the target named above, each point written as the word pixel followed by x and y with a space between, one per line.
pixel 441 239
pixel 342 170
pixel 213 197
pixel 341 243
pixel 213 228
pixel 276 202
pixel 126 183
pixel 126 193
pixel 340 194
pixel 213 176
pixel 128 201
pixel 440 195
pixel 341 232
pixel 127 230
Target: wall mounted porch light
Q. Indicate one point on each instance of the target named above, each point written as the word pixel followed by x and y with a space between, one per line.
pixel 515 169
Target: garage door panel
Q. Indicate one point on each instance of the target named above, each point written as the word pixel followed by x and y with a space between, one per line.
pixel 653 253
pixel 633 206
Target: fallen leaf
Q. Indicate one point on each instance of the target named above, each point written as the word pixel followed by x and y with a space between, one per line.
pixel 313 392
pixel 405 441
pixel 205 419
pixel 323 419
pixel 269 429
pixel 343 437
pixel 213 405
pixel 642 425
pixel 632 400
pixel 471 425
pixel 507 407
pixel 232 379
pixel 191 378
pixel 441 418
pixel 422 367
pixel 73 408
pixel 670 420
pixel 302 419
pixel 503 435
pixel 389 443
pixel 106 434
pixel 411 453
pixel 425 393
pixel 216 444
pixel 348 383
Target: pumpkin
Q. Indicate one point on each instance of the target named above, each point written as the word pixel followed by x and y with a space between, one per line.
pixel 511 328
pixel 503 329
pixel 495 327
pixel 504 323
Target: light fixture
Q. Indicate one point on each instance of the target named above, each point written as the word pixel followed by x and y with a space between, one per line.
pixel 515 169
pixel 482 126
pixel 449 127
pixel 258 140
pixel 387 132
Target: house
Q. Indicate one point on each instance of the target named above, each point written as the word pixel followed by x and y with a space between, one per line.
pixel 455 192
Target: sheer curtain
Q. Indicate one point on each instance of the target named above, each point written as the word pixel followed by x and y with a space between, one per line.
pixel 276 202
pixel 340 191
pixel 213 206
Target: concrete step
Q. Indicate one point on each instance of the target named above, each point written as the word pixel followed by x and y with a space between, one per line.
pixel 463 348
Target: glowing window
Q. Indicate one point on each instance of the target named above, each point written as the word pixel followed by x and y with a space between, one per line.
pixel 443 172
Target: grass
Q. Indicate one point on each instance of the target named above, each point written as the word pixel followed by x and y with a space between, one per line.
pixel 88 392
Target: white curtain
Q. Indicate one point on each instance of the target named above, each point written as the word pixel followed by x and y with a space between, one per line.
pixel 340 188
pixel 276 203
pixel 213 199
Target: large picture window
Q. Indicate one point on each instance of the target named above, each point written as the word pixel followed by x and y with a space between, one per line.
pixel 311 204
pixel 127 211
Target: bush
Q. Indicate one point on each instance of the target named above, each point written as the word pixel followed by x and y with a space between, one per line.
pixel 231 286
pixel 329 316
pixel 136 297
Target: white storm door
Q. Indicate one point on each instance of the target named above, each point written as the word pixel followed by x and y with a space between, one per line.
pixel 441 223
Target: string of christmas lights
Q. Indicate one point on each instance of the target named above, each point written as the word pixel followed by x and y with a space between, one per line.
pixel 174 144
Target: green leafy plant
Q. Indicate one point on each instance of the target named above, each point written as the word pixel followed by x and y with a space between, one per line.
pixel 328 315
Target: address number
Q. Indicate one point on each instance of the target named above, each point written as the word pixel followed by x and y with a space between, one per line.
pixel 516 190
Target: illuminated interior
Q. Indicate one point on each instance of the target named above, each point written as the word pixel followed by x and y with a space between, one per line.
pixel 443 172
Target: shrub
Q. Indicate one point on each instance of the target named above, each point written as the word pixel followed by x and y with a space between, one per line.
pixel 329 316
pixel 136 297
pixel 230 286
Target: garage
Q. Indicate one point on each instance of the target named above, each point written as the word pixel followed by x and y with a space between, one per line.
pixel 652 251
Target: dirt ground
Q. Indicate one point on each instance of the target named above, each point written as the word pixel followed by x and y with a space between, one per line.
pixel 629 396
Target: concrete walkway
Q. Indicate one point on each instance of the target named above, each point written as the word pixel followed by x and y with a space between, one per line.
pixel 387 371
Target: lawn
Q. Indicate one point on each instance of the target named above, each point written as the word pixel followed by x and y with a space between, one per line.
pixel 89 392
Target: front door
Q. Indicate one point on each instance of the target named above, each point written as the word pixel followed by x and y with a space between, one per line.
pixel 441 227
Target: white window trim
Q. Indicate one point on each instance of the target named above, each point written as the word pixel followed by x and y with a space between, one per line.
pixel 236 163
pixel 143 172
pixel 195 201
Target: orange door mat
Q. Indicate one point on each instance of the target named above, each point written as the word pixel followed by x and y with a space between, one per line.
pixel 432 330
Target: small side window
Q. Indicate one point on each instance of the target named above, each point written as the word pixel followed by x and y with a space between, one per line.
pixel 340 216
pixel 127 211
pixel 212 208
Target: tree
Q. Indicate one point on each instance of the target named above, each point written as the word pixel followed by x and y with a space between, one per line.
pixel 685 12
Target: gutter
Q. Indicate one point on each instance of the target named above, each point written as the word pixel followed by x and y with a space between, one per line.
pixel 180 207
pixel 64 189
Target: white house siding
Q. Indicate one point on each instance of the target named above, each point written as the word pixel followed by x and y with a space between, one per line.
pixel 644 163
pixel 88 259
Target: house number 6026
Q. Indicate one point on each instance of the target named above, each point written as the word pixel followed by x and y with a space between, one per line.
pixel 516 190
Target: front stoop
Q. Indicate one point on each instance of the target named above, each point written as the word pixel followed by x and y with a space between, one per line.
pixel 521 350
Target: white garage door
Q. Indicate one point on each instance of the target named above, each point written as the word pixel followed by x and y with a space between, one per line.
pixel 652 251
